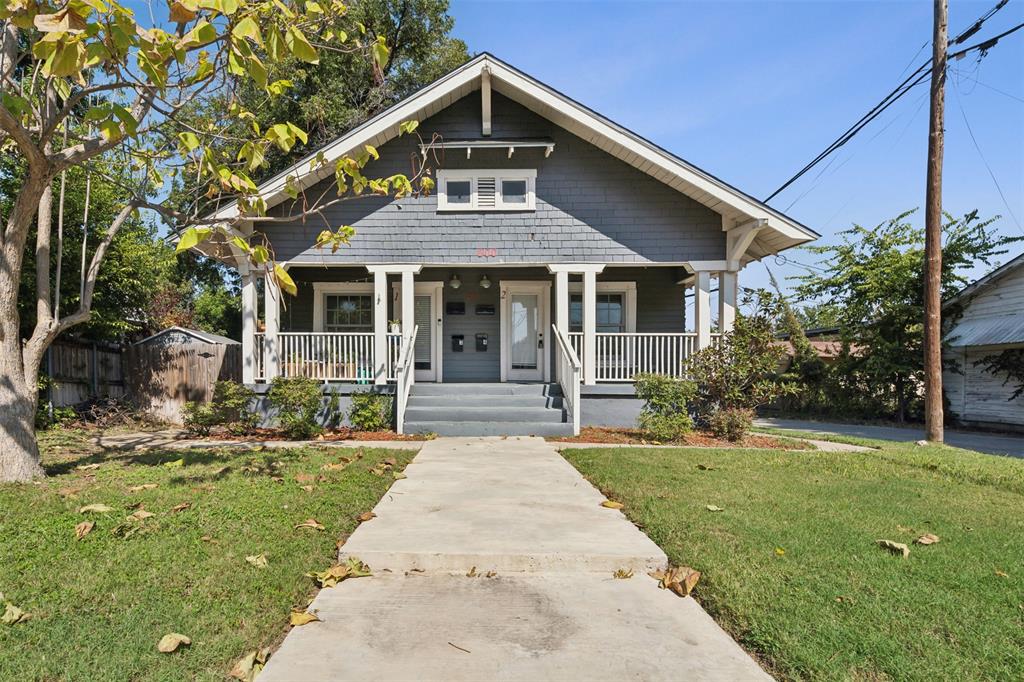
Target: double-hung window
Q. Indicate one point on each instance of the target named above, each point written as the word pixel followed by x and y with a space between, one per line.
pixel 615 307
pixel 486 190
pixel 343 307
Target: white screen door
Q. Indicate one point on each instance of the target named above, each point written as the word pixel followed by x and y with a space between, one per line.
pixel 427 317
pixel 524 321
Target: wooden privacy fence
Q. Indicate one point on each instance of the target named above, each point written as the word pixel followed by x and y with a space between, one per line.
pixel 161 378
pixel 82 371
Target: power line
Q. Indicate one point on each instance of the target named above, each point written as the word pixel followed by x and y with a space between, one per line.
pixel 990 87
pixel 920 75
pixel 991 174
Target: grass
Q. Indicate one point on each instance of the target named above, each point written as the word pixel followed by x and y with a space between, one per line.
pixel 815 435
pixel 830 604
pixel 100 605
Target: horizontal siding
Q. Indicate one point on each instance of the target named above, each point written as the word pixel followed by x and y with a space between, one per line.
pixel 978 396
pixel 591 207
pixel 1004 296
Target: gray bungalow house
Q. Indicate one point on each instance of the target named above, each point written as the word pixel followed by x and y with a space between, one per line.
pixel 548 269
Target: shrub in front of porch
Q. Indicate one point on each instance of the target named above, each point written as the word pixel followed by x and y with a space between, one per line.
pixel 231 408
pixel 371 411
pixel 297 401
pixel 741 372
pixel 665 415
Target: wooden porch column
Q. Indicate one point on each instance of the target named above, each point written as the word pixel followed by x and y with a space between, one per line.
pixel 727 285
pixel 248 327
pixel 702 308
pixel 380 325
pixel 589 327
pixel 271 317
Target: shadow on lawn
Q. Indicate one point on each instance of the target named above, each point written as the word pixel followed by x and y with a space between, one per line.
pixel 161 457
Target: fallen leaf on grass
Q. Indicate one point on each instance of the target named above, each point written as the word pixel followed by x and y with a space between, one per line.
pixel 13 615
pixel 399 475
pixel 301 618
pixel 98 508
pixel 1002 574
pixel 69 492
pixel 305 478
pixel 257 560
pixel 623 574
pixel 611 504
pixel 894 547
pixel 927 539
pixel 307 488
pixel 141 515
pixel 904 529
pixel 705 467
pixel 366 516
pixel 88 467
pixel 250 665
pixel 713 508
pixel 175 463
pixel 169 643
pixel 779 551
pixel 144 486
pixel 353 568
pixel 83 529
pixel 680 580
pixel 180 507
pixel 310 523
pixel 333 466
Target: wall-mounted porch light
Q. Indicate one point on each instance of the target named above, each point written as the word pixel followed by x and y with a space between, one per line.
pixel 485 283
pixel 455 282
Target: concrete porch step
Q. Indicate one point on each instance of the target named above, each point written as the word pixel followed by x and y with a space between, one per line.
pixel 489 428
pixel 466 413
pixel 487 389
pixel 502 401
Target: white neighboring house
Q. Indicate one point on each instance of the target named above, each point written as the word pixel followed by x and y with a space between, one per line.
pixel 992 322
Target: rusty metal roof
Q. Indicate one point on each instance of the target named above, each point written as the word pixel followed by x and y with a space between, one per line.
pixel 988 331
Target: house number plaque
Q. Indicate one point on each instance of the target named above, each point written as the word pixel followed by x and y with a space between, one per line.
pixel 487 253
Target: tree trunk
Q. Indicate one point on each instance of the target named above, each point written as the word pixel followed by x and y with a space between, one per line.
pixel 19 452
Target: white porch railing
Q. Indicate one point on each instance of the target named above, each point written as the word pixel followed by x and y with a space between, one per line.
pixel 621 356
pixel 405 373
pixel 570 373
pixel 327 356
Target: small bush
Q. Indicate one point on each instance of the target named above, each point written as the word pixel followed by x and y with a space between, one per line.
pixel 199 418
pixel 232 403
pixel 665 414
pixel 731 423
pixel 297 400
pixel 371 411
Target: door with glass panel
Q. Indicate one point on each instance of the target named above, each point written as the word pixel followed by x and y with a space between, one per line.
pixel 427 317
pixel 524 324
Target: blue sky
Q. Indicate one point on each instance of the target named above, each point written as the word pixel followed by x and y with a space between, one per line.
pixel 751 91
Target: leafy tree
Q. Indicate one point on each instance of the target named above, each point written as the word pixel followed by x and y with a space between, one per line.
pixel 85 82
pixel 874 279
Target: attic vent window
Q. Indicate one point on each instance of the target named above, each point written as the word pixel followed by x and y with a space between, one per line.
pixel 486 190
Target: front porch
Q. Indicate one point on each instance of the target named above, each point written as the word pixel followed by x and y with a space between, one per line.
pixel 575 324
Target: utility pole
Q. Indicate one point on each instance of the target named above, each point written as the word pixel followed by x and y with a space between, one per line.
pixel 933 234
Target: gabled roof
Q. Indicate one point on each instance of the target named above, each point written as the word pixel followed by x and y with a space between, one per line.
pixel 205 337
pixel 775 231
pixel 976 287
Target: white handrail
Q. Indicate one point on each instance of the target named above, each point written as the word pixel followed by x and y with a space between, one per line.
pixel 570 371
pixel 405 373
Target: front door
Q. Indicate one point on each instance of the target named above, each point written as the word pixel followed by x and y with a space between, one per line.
pixel 427 317
pixel 524 329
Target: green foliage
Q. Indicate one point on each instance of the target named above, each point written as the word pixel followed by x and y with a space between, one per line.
pixel 874 282
pixel 230 408
pixel 731 423
pixel 742 369
pixel 664 415
pixel 297 401
pixel 1009 363
pixel 371 411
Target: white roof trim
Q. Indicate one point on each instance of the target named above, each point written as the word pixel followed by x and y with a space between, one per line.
pixel 505 78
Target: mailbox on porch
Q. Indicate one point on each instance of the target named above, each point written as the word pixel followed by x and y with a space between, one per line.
pixel 481 343
pixel 458 341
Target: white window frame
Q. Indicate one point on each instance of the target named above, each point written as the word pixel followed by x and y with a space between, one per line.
pixel 322 289
pixel 626 289
pixel 499 175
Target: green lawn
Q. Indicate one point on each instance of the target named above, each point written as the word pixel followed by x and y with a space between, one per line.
pixel 791 568
pixel 100 605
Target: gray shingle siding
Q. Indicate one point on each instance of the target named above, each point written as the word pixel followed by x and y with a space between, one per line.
pixel 591 207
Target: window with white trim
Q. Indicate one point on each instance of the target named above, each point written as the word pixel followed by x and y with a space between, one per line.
pixel 614 305
pixel 343 307
pixel 486 190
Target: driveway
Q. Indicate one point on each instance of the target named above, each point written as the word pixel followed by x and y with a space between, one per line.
pixel 992 443
pixel 493 560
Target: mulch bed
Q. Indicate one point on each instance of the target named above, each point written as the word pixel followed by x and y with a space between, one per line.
pixel 343 433
pixel 614 436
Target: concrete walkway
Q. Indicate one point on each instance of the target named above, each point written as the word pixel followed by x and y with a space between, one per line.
pixel 991 443
pixel 540 602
